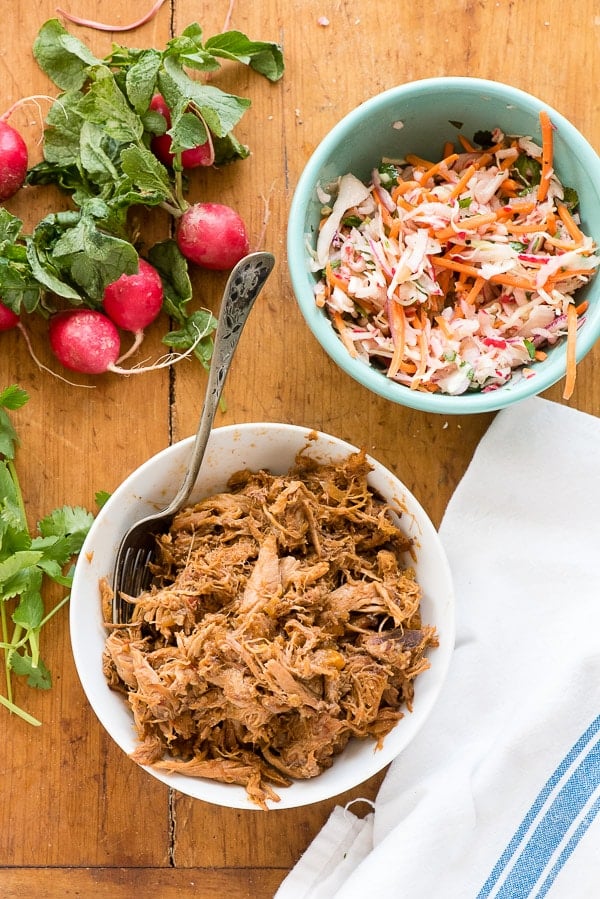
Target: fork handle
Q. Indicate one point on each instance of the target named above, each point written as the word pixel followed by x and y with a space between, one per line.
pixel 243 287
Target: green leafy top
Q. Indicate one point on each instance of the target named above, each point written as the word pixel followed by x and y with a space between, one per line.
pixel 99 130
pixel 97 148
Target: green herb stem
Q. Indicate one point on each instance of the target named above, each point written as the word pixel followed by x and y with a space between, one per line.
pixel 19 495
pixel 17 710
pixel 7 678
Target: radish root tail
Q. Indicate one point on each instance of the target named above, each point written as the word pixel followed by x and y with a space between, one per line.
pixel 43 367
pixel 102 26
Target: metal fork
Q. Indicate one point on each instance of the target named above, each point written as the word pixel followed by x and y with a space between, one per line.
pixel 131 573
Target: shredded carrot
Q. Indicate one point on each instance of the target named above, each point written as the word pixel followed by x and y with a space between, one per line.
pixel 509 184
pixel 443 324
pixel 483 160
pixel 456 266
pixel 475 290
pixel 462 182
pixel 569 273
pixel 504 278
pixel 519 207
pixel 570 224
pixel 571 352
pixel 444 281
pixel 395 228
pixel 334 279
pixel 404 204
pixel 438 168
pixel 547 155
pixel 526 229
pixel 418 161
pixel 508 280
pixel 466 144
pixel 402 187
pixel 508 160
pixel 385 213
pixel 467 224
pixel 343 331
pixel 408 367
pixel 398 328
pixel 448 149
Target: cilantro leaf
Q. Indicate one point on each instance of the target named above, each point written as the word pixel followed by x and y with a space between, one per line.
pixel 69 520
pixel 17 563
pixel 10 398
pixel 37 676
pixel 101 497
pixel 30 609
pixel 13 397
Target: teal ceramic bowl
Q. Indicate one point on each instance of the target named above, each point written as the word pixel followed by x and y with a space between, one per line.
pixel 418 117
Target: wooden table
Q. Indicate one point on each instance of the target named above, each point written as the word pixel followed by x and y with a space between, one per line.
pixel 77 818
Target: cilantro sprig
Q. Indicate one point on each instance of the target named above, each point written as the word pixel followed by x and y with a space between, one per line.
pixel 27 560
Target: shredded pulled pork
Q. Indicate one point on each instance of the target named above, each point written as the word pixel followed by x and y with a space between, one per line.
pixel 282 621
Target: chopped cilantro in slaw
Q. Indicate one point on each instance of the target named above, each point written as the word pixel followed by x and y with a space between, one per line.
pixel 455 275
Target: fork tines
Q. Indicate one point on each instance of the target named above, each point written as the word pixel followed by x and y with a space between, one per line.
pixel 133 578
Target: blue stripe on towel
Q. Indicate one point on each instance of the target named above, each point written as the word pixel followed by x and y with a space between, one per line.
pixel 568 849
pixel 556 810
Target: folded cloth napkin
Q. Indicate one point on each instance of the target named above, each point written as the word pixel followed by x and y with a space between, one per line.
pixel 497 797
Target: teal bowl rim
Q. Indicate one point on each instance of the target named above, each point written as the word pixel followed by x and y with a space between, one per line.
pixel 547 373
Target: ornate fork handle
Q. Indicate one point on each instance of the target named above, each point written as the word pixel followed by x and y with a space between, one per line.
pixel 244 285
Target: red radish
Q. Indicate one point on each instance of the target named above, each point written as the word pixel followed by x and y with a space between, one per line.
pixel 132 302
pixel 161 143
pixel 212 235
pixel 8 318
pixel 86 341
pixel 14 157
pixel 13 160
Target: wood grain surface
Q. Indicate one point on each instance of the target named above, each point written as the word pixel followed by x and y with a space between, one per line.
pixel 77 818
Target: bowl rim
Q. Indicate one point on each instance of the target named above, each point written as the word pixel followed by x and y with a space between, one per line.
pixel 87 633
pixel 546 374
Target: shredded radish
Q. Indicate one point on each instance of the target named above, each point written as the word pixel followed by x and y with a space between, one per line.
pixel 351 192
pixel 453 276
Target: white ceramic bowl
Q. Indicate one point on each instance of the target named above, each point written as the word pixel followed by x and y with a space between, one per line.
pixel 150 487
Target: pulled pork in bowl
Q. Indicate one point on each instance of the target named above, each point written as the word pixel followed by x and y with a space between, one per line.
pixel 297 630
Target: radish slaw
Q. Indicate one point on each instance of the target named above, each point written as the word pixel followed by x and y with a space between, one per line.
pixel 455 275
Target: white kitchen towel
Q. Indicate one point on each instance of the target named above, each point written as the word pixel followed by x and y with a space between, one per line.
pixel 498 795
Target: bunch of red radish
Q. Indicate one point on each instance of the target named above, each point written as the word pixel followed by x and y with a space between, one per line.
pixel 210 235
